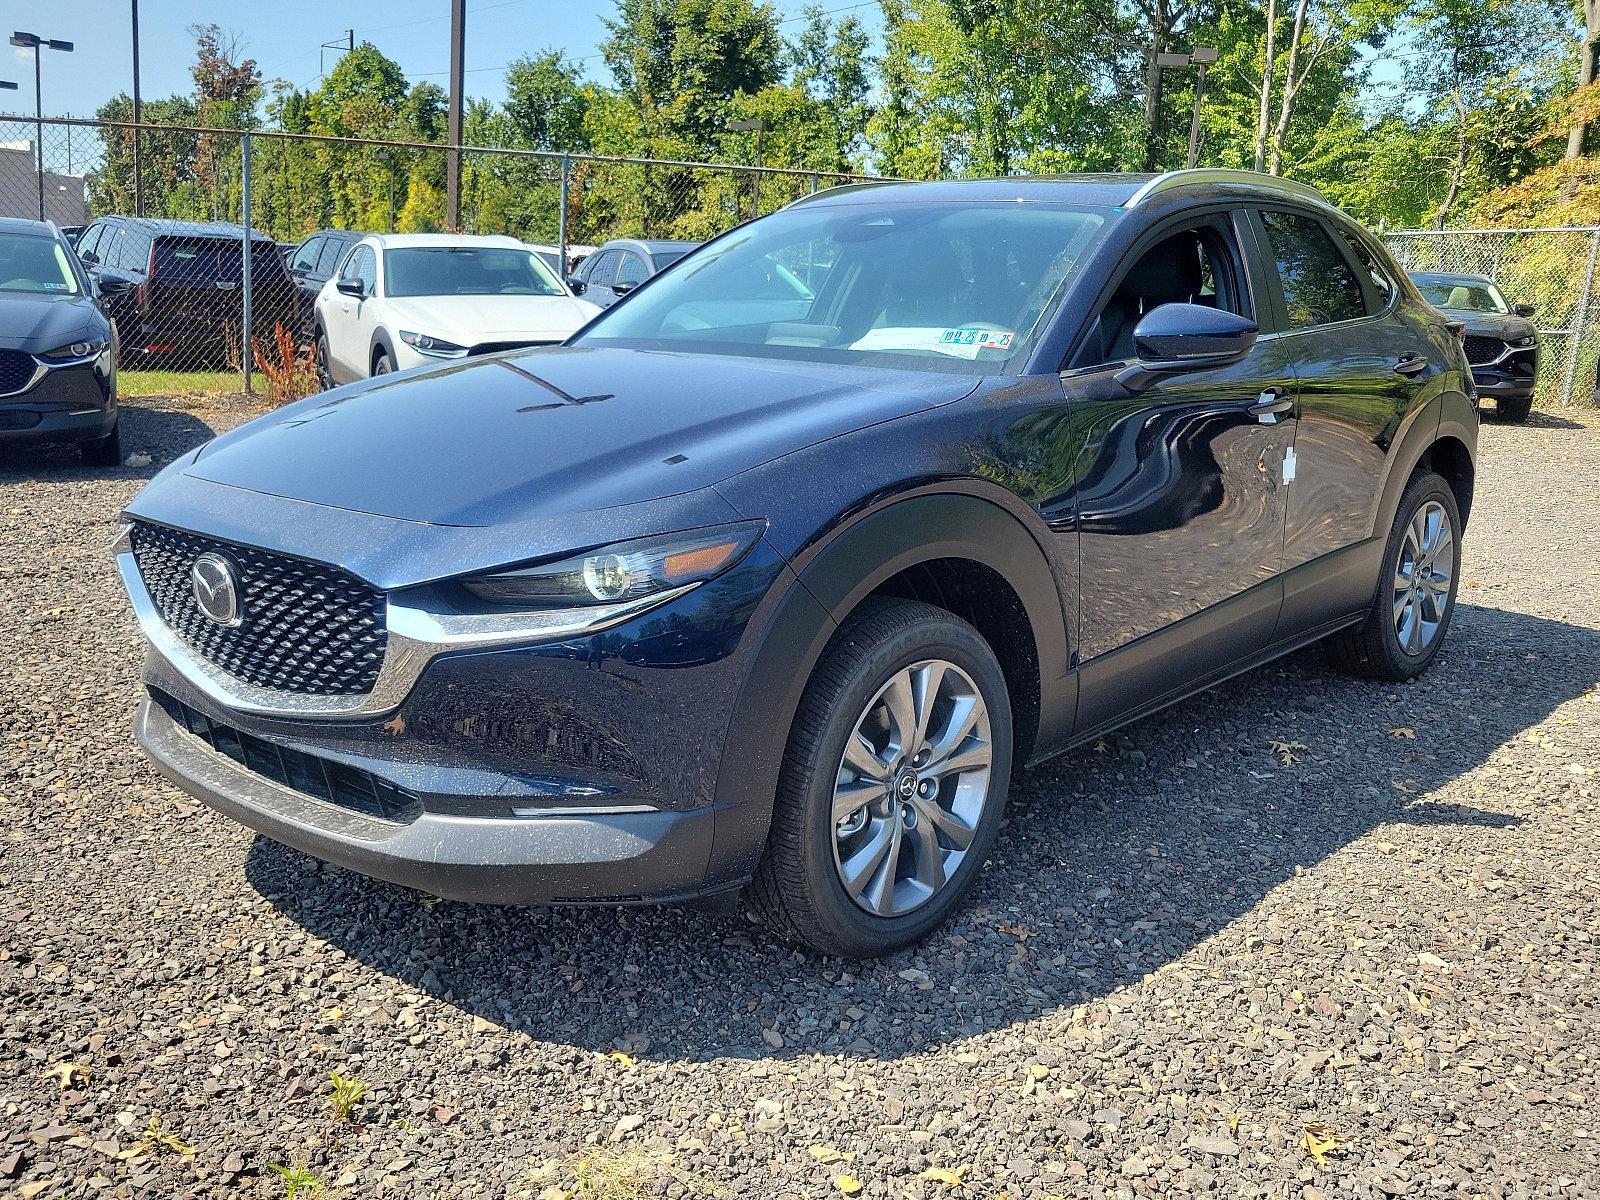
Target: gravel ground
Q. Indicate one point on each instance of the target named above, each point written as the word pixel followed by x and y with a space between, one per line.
pixel 1191 967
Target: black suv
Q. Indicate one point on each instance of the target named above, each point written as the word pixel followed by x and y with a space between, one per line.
pixel 311 264
pixel 700 602
pixel 178 295
pixel 1501 340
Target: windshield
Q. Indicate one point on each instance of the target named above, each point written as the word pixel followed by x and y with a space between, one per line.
pixel 30 263
pixel 467 271
pixel 947 287
pixel 1470 295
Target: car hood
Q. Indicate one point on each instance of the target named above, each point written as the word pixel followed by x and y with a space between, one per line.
pixel 502 459
pixel 469 320
pixel 1508 326
pixel 38 322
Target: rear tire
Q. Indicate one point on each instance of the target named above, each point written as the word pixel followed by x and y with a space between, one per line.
pixel 1413 604
pixel 924 805
pixel 105 451
pixel 1514 411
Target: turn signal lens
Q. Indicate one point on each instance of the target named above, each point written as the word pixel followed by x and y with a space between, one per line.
pixel 621 573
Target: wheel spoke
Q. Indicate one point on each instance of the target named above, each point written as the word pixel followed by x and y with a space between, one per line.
pixel 1414 628
pixel 850 796
pixel 972 754
pixel 964 716
pixel 929 855
pixel 879 892
pixel 861 758
pixel 925 683
pixel 857 871
pixel 902 706
pixel 956 831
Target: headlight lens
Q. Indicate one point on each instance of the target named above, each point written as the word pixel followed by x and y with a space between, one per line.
pixel 431 346
pixel 623 573
pixel 1526 341
pixel 75 350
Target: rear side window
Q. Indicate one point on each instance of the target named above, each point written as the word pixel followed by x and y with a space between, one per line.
pixel 1319 287
pixel 332 248
pixel 1383 285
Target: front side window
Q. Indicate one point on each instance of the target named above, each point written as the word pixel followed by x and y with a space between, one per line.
pixel 1319 287
pixel 88 242
pixel 631 270
pixel 305 258
pixel 602 269
pixel 332 250
pixel 362 265
pixel 467 271
pixel 960 287
pixel 30 263
pixel 1468 295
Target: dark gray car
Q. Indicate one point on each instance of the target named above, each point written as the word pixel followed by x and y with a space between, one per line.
pixel 621 265
pixel 1502 343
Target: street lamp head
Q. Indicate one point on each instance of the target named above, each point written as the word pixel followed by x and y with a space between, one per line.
pixel 57 44
pixel 7 86
pixel 26 39
pixel 1167 61
pixel 747 126
pixel 1204 55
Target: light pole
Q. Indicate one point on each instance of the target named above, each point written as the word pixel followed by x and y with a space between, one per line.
pixel 39 45
pixel 1201 58
pixel 758 126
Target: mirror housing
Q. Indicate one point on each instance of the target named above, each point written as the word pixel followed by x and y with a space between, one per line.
pixel 1174 338
pixel 350 287
pixel 622 289
pixel 577 285
pixel 1523 310
pixel 109 283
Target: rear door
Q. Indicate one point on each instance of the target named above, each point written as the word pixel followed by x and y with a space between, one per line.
pixel 1363 365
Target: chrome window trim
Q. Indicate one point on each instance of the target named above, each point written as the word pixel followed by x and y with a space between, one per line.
pixel 417 636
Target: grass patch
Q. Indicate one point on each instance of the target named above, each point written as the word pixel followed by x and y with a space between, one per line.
pixel 133 384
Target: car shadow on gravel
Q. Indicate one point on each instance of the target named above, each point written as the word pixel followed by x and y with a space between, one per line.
pixel 159 434
pixel 1116 860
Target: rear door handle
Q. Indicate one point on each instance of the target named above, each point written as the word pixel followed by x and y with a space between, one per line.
pixel 1411 367
pixel 1269 404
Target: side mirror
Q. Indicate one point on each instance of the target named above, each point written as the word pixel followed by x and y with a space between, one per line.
pixel 1523 310
pixel 622 289
pixel 110 284
pixel 351 287
pixel 577 285
pixel 1173 338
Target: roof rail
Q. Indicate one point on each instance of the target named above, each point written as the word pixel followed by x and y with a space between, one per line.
pixel 1223 175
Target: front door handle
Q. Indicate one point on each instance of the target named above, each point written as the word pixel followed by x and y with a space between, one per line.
pixel 1269 404
pixel 1411 367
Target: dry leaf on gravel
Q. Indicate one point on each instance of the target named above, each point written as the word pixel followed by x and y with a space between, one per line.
pixel 65 1073
pixel 1287 752
pixel 1402 731
pixel 848 1184
pixel 1321 1140
pixel 828 1154
pixel 950 1177
pixel 623 1059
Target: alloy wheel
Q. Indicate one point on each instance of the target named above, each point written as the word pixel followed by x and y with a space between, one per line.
pixel 911 788
pixel 1422 578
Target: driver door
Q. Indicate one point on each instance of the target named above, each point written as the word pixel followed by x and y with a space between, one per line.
pixel 1180 497
pixel 345 317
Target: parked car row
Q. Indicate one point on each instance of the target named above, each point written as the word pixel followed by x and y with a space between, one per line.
pixel 1501 341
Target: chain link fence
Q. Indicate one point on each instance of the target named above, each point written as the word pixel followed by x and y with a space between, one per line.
pixel 1554 270
pixel 182 322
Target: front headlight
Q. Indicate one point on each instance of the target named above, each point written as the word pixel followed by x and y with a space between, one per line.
pixel 628 574
pixel 431 346
pixel 74 352
pixel 1530 340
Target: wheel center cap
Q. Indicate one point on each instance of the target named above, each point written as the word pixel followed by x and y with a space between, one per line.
pixel 906 785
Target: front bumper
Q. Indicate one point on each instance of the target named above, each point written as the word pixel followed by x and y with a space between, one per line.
pixel 1513 376
pixel 66 404
pixel 594 857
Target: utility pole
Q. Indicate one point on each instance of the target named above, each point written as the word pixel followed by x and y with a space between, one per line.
pixel 458 54
pixel 39 45
pixel 138 117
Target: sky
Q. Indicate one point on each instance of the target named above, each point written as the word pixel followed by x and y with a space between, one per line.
pixel 284 38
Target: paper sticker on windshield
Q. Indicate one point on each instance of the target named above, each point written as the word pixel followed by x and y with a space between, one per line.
pixel 57 287
pixel 964 341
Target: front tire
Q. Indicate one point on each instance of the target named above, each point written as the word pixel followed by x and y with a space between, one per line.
pixel 1416 595
pixel 324 362
pixel 381 365
pixel 105 451
pixel 892 785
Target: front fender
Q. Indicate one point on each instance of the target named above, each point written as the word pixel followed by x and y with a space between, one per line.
pixel 828 579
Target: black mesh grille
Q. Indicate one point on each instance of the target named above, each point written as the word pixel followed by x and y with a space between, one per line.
pixel 304 627
pixel 16 368
pixel 1484 349
pixel 310 774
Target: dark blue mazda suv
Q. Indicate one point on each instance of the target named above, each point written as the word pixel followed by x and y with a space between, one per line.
pixel 770 578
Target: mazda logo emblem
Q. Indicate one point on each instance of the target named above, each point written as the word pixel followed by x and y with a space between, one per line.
pixel 216 589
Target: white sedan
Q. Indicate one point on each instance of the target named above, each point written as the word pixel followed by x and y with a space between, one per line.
pixel 404 300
